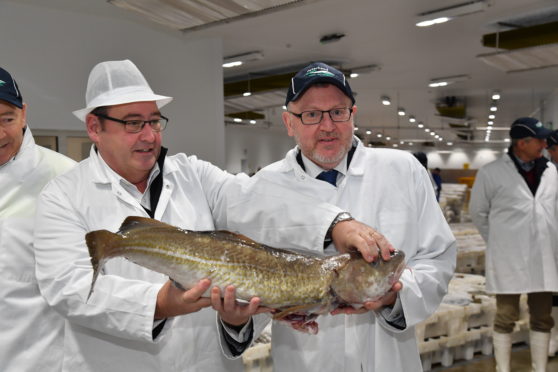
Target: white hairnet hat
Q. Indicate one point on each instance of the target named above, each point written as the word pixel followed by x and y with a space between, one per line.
pixel 114 83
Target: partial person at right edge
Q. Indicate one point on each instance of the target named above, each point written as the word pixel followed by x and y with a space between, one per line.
pixel 514 204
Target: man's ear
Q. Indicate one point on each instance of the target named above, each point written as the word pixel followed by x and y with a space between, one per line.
pixel 287 120
pixel 93 126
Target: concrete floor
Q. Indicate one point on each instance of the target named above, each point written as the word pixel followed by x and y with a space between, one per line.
pixel 521 362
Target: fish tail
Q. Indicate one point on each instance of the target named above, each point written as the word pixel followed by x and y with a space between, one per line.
pixel 102 245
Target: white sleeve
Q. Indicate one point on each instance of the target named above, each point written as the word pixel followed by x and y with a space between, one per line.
pixel 425 280
pixel 118 307
pixel 272 214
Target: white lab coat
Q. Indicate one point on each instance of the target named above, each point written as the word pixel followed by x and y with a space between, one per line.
pixel 113 330
pixel 30 331
pixel 520 229
pixel 390 191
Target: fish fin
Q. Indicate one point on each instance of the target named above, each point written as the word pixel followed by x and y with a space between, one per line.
pixel 294 309
pixel 101 245
pixel 137 222
pixel 236 237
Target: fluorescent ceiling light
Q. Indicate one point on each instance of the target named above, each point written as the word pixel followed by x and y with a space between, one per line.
pixel 239 59
pixel 524 59
pixel 442 15
pixel 190 15
pixel 443 81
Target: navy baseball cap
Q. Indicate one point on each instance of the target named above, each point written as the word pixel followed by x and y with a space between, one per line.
pixel 9 91
pixel 528 127
pixel 552 139
pixel 315 73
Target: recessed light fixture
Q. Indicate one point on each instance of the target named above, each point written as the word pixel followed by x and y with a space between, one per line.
pixel 386 101
pixel 237 120
pixel 379 135
pixel 401 111
pixel 490 122
pixel 252 122
pixel 368 132
pixel 492 116
pixel 450 143
pixel 496 96
pixel 493 108
pixel 246 94
pixel 427 130
pixel 442 15
pixel 412 119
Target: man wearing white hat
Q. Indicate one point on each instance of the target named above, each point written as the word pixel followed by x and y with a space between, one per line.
pixel 136 320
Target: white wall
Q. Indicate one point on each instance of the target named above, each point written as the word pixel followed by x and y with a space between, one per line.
pixel 258 146
pixel 51 48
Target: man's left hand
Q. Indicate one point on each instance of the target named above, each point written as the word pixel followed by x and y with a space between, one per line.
pixel 354 235
pixel 386 300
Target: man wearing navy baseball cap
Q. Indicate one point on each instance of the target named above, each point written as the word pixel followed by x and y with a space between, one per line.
pixel 384 188
pixel 552 146
pixel 30 330
pixel 514 205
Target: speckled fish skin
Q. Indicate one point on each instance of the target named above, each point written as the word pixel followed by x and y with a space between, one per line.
pixel 280 278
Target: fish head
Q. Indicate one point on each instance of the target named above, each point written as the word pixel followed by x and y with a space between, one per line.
pixel 360 281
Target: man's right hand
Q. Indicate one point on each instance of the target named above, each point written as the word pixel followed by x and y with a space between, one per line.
pixel 172 301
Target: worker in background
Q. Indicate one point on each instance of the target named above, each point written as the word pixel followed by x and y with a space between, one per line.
pixel 514 205
pixel 386 189
pixel 423 159
pixel 136 319
pixel 31 333
pixel 552 148
pixel 437 177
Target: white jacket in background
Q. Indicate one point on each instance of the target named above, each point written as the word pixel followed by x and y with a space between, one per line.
pixel 113 330
pixel 31 333
pixel 521 230
pixel 390 191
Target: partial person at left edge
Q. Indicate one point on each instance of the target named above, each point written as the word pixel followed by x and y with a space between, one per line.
pixel 30 331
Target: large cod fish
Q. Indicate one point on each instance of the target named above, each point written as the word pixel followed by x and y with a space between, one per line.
pixel 299 286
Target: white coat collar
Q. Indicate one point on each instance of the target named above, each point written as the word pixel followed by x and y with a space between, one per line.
pixel 290 164
pixel 100 169
pixel 24 161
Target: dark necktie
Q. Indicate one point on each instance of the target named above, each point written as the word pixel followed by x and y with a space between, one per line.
pixel 328 176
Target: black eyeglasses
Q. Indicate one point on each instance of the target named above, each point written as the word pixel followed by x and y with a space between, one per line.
pixel 136 126
pixel 316 116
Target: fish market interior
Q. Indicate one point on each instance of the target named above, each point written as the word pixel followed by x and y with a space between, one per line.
pixel 443 78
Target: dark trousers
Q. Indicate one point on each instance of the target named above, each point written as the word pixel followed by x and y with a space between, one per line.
pixel 540 308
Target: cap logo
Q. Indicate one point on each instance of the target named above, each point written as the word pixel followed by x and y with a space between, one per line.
pixel 319 71
pixel 539 124
pixel 2 82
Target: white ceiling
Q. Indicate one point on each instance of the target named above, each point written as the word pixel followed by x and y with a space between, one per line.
pixel 382 32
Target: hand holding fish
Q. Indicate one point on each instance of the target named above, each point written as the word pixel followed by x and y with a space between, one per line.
pixel 172 301
pixel 354 235
pixel 386 300
pixel 230 310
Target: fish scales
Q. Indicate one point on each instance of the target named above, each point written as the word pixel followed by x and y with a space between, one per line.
pixel 279 278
